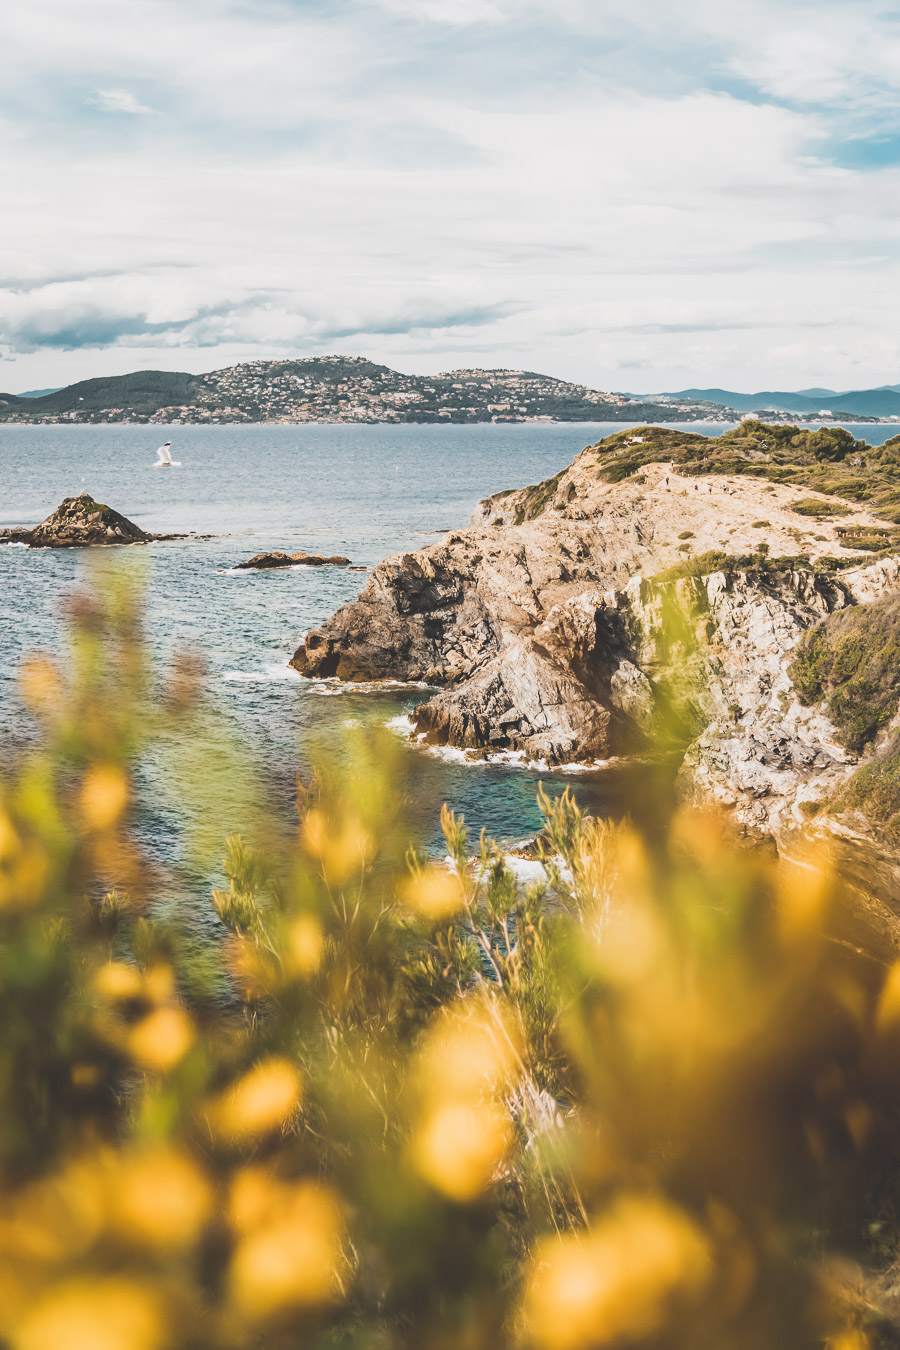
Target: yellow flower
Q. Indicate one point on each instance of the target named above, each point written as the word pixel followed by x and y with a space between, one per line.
pixel 887 1014
pixel 92 1315
pixel 619 1281
pixel 103 796
pixel 342 849
pixel 804 889
pixel 303 948
pixel 161 1039
pixel 459 1147
pixel 291 1260
pixel 263 1100
pixel 435 893
pixel 469 1053
pixel 41 686
pixel 9 839
pixel 118 981
pixel 161 1198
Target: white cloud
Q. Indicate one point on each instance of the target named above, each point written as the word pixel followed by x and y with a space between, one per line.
pixel 617 193
pixel 118 101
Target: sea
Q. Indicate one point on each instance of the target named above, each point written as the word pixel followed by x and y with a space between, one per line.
pixel 366 491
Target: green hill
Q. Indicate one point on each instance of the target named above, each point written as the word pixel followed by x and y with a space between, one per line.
pixel 143 392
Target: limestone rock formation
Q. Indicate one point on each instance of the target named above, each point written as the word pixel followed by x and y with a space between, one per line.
pixel 80 522
pixel 549 628
pixel 266 561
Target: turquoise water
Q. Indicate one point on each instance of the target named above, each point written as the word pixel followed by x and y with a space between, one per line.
pixel 364 491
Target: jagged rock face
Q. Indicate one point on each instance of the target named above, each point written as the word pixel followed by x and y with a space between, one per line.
pixel 549 635
pixel 80 522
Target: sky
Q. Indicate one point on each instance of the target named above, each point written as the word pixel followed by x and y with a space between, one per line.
pixel 639 195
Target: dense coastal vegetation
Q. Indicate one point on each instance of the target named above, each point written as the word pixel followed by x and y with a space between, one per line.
pixel 394 1102
pixel 645 1095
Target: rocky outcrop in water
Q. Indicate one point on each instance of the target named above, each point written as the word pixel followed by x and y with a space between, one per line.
pixel 266 561
pixel 550 629
pixel 80 522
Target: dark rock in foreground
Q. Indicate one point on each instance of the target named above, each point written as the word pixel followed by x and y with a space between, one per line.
pixel 80 522
pixel 265 561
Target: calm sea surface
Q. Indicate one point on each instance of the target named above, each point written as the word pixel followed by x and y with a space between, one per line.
pixel 365 491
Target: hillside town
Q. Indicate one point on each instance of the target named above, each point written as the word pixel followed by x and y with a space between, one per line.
pixel 341 389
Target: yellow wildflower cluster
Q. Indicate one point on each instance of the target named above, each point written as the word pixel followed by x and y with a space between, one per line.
pixel 372 1099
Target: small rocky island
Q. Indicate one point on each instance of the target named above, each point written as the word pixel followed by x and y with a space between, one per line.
pixel 265 561
pixel 666 593
pixel 80 522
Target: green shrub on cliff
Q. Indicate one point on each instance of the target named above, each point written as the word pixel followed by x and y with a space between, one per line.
pixel 814 506
pixel 852 661
pixel 407 1103
pixel 829 460
pixel 875 790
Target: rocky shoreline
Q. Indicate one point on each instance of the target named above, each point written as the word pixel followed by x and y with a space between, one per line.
pixel 559 625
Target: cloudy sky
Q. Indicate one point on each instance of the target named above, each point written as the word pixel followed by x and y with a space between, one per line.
pixel 639 194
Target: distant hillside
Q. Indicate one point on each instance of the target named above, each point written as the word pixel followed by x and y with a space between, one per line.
pixel 337 388
pixel 142 393
pixel 354 389
pixel 883 402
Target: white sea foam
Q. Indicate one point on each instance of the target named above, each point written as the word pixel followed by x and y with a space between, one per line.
pixel 270 674
pixel 404 726
pixel 524 869
pixel 14 543
pixel 331 688
pixel 255 571
pixel 402 723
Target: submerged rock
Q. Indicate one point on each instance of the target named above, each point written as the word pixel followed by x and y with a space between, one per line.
pixel 80 522
pixel 265 561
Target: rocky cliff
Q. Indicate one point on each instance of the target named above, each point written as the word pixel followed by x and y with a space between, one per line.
pixel 586 619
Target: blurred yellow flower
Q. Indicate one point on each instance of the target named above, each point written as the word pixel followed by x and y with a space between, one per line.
pixel 887 1014
pixel 459 1147
pixel 290 1261
pixel 436 893
pixel 263 1100
pixel 118 981
pixel 55 1218
pixel 470 1051
pixel 102 1314
pixel 618 1281
pixel 804 889
pixel 161 1039
pixel 23 880
pixel 160 1198
pixel 342 849
pixel 9 839
pixel 849 1340
pixel 40 686
pixel 103 796
pixel 303 948
pixel 252 1197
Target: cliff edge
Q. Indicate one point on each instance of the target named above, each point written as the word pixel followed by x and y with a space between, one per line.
pixel 649 597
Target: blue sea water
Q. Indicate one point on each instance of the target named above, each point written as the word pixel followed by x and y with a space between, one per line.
pixel 364 491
